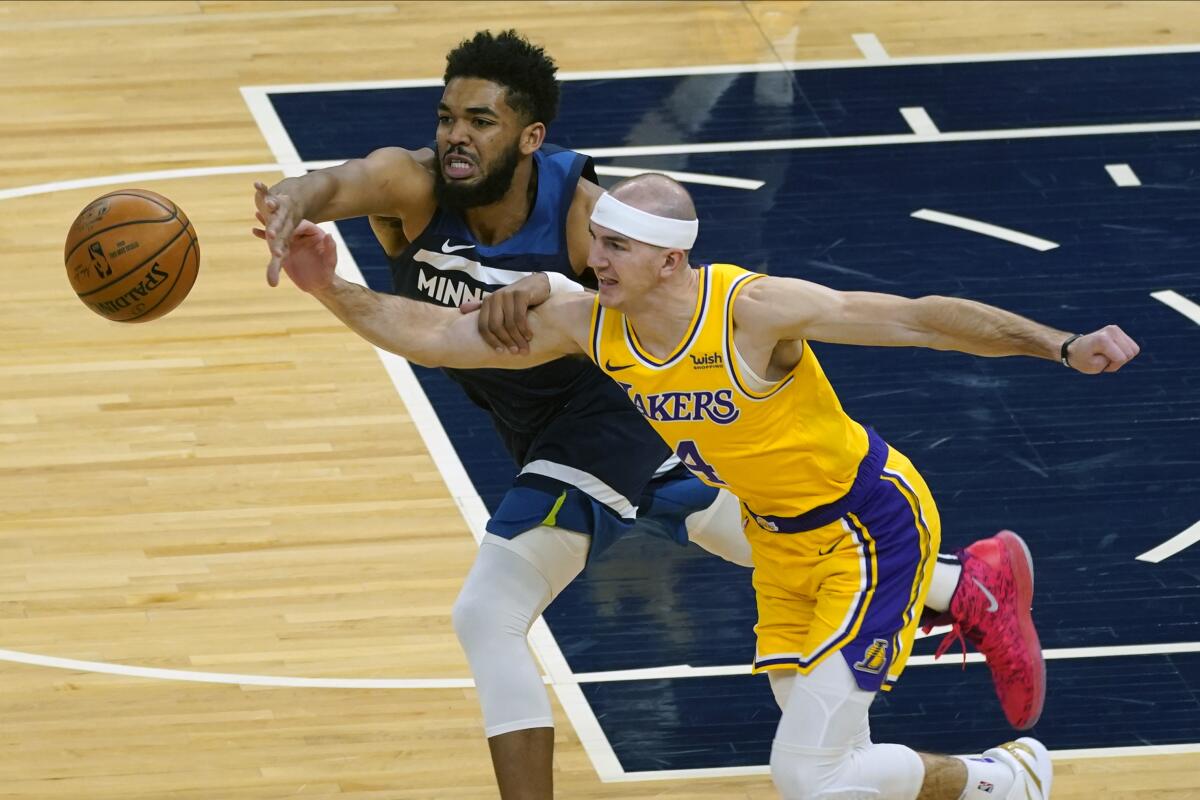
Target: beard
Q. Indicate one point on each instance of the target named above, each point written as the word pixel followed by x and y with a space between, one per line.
pixel 495 183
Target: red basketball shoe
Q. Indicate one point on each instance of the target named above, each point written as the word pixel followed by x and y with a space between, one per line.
pixel 991 609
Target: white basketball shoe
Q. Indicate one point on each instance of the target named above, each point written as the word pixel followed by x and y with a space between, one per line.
pixel 1030 762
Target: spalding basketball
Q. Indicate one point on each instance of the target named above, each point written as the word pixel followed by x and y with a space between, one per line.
pixel 132 255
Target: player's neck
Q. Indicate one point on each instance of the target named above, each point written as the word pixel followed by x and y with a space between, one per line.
pixel 495 222
pixel 662 316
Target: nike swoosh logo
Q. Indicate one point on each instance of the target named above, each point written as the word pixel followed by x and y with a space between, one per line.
pixel 448 248
pixel 832 547
pixel 608 365
pixel 991 597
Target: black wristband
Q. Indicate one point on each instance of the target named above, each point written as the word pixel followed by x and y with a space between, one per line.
pixel 1062 353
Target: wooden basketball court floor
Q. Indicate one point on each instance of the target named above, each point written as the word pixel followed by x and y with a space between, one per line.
pixel 237 490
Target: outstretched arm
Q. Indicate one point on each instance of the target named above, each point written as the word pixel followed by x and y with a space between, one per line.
pixel 421 332
pixel 388 182
pixel 786 308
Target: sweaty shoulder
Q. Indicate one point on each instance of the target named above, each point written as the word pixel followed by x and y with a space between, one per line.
pixel 579 240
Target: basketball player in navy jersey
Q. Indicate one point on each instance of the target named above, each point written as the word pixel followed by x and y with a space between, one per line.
pixel 492 205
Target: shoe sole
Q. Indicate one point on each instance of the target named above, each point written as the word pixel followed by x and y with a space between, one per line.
pixel 1021 561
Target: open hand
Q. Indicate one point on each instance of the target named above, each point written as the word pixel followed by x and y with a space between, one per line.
pixel 310 258
pixel 279 217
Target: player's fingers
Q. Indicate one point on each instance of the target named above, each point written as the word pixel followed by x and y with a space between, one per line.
pixel 484 324
pixel 520 330
pixel 513 310
pixel 521 320
pixel 498 320
pixel 282 238
pixel 1127 344
pixel 259 232
pixel 264 197
pixel 273 272
pixel 1109 354
pixel 469 306
pixel 1127 350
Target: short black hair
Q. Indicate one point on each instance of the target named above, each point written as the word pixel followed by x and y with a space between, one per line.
pixel 510 60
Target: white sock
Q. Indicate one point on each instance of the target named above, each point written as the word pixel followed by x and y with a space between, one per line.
pixel 987 778
pixel 946 573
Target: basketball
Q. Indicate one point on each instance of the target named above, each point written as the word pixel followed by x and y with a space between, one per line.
pixel 132 255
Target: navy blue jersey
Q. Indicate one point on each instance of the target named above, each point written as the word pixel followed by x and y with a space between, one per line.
pixel 570 428
pixel 446 265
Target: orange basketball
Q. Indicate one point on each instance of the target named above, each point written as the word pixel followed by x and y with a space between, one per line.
pixel 132 255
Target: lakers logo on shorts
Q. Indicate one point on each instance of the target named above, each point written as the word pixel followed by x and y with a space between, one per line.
pixel 875 658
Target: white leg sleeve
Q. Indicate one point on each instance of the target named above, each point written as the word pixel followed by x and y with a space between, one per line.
pixel 718 529
pixel 823 749
pixel 508 587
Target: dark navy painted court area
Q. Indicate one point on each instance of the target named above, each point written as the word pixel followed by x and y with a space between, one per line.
pixel 1092 471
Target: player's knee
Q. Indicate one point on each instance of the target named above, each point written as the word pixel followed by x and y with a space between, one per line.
pixel 803 773
pixel 480 620
pixel 813 774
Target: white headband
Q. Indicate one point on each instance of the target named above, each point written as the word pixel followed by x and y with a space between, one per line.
pixel 643 226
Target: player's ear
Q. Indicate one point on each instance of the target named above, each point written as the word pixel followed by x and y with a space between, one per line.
pixel 674 260
pixel 532 137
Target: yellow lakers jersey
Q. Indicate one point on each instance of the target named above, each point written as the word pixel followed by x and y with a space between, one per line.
pixel 783 448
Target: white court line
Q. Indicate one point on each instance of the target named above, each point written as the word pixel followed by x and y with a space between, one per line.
pixel 1170 547
pixel 651 150
pixel 563 679
pixel 870 46
pixel 1136 750
pixel 1057 755
pixel 984 228
pixel 893 139
pixel 1180 303
pixel 919 120
pixel 683 177
pixel 234 169
pixel 445 457
pixel 952 659
pixel 1122 175
pixel 774 66
pixel 240 680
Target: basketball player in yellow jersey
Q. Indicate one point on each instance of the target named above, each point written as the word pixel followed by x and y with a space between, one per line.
pixel 842 527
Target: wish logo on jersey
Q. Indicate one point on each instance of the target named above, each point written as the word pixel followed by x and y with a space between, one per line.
pixel 716 406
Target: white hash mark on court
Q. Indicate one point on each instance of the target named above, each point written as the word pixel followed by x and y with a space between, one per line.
pixel 919 120
pixel 985 228
pixel 1178 302
pixel 1170 547
pixel 870 46
pixel 1122 175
